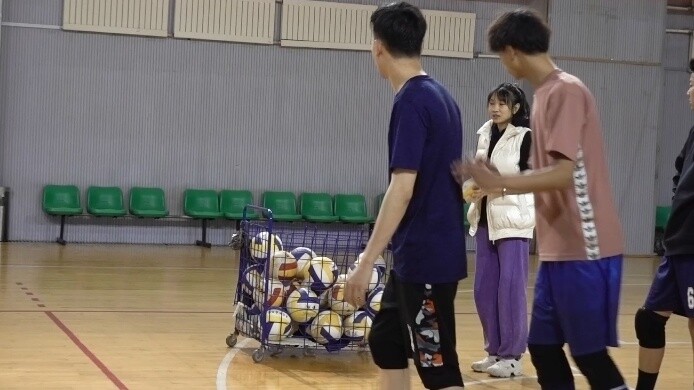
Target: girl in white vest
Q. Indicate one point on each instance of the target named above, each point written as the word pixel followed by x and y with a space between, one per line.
pixel 502 226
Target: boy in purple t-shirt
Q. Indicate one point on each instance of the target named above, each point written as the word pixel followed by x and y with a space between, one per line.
pixel 420 213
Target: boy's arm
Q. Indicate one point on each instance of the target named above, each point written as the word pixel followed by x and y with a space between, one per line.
pixel 410 130
pixel 393 208
pixel 555 177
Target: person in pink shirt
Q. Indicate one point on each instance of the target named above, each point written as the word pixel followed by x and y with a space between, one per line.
pixel 578 230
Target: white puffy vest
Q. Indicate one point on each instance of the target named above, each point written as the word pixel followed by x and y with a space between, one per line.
pixel 510 216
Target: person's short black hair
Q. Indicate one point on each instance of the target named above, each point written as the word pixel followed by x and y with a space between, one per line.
pixel 512 94
pixel 691 65
pixel 522 29
pixel 401 27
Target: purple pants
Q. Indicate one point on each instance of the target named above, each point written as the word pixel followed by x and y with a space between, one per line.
pixel 501 278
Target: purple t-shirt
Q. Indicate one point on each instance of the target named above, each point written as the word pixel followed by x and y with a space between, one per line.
pixel 426 136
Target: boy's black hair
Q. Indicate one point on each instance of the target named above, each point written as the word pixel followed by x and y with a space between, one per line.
pixel 512 94
pixel 401 27
pixel 522 29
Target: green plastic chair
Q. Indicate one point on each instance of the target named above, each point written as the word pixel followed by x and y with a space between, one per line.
pixel 203 205
pixel 317 207
pixel 105 202
pixel 662 215
pixel 63 201
pixel 232 202
pixel 282 204
pixel 351 208
pixel 148 202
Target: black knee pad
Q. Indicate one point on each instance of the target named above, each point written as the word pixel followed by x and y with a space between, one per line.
pixel 650 328
pixel 600 370
pixel 553 370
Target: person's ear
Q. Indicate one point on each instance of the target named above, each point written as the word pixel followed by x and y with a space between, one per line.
pixel 378 47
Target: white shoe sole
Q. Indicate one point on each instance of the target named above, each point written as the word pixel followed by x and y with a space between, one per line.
pixel 505 374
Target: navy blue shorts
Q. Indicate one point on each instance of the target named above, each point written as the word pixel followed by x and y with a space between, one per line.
pixel 673 286
pixel 577 302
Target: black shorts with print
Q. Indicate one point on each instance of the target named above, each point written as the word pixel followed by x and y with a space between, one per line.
pixel 417 321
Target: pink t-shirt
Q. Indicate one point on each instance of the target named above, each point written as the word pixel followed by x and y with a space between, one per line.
pixel 581 222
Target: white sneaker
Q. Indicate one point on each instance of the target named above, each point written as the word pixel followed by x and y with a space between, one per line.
pixel 506 368
pixel 484 364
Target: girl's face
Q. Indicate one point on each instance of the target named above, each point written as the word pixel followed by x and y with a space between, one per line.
pixel 499 112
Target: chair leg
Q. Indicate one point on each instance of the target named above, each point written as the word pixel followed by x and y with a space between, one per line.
pixel 203 243
pixel 60 239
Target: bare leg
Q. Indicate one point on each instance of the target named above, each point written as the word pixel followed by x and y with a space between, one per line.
pixel 395 379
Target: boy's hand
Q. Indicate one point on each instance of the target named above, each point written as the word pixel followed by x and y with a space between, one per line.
pixel 485 175
pixel 357 284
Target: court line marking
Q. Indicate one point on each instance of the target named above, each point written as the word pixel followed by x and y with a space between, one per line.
pixel 109 374
pixel 226 363
pixel 488 381
pixel 576 373
pixel 71 335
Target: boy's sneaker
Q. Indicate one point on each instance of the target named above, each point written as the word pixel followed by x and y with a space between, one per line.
pixel 506 368
pixel 484 364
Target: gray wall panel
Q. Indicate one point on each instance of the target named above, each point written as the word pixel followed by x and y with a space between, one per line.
pixel 48 12
pixel 680 21
pixel 676 51
pixel 112 110
pixel 121 110
pixel 621 30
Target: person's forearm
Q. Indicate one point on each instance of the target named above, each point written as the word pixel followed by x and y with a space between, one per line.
pixel 548 179
pixel 393 209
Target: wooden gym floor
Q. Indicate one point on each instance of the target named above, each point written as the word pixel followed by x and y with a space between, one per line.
pixel 156 317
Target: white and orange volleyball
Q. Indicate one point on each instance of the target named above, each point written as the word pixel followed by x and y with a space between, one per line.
pixel 337 300
pixel 273 294
pixel 282 266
